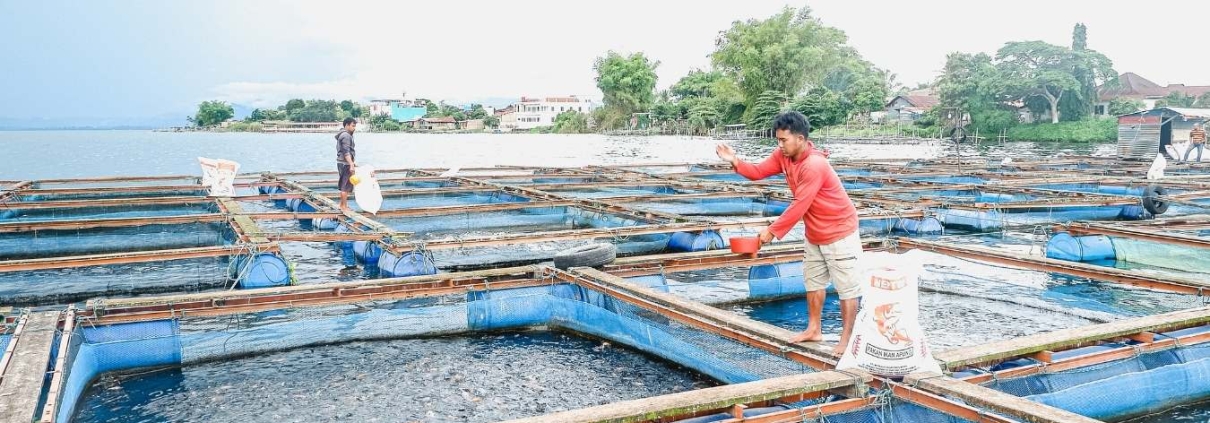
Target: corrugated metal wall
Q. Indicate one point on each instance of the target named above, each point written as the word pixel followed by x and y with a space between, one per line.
pixel 1138 141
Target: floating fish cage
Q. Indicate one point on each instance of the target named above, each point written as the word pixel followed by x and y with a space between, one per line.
pixel 1048 289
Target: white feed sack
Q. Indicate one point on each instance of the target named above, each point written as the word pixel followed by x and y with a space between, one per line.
pixel 219 176
pixel 887 337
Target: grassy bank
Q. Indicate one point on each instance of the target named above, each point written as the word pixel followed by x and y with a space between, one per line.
pixel 1091 130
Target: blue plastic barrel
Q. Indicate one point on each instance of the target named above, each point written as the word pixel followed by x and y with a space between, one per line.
pixel 696 241
pixel 924 226
pixel 775 208
pixel 979 220
pixel 347 255
pixel 305 207
pixel 281 202
pixel 367 251
pixel 326 224
pixel 776 280
pixel 1063 246
pixel 656 282
pixel 410 264
pixel 262 270
pixel 1133 212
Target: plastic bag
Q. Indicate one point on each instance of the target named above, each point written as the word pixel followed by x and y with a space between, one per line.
pixel 219 176
pixel 367 193
pixel 887 338
pixel 1157 167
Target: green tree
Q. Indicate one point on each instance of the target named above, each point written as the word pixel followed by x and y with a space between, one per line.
pixel 1079 37
pixel 667 111
pixel 491 122
pixel 317 111
pixel 821 106
pixel 784 53
pixel 211 113
pixel 1036 68
pixel 351 109
pixel 1090 69
pixel 294 104
pixel 972 85
pixel 384 123
pixel 868 94
pixel 477 112
pixel 704 116
pixel 696 84
pixel 1176 99
pixel 730 100
pixel 389 125
pixel 570 122
pixel 767 106
pixel 1124 106
pixel 446 110
pixel 627 82
pixel 261 115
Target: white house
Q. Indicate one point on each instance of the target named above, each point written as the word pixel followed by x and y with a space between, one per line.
pixel 534 112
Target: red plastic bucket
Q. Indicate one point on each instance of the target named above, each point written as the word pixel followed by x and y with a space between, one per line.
pixel 745 245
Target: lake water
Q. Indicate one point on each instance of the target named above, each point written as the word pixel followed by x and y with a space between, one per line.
pixel 76 154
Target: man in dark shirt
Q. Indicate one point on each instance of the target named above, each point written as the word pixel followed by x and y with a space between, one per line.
pixel 345 153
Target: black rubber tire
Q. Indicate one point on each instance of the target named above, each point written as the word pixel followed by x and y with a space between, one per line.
pixel 591 255
pixel 958 135
pixel 1152 201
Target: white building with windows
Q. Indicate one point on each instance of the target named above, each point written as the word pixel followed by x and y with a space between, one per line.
pixel 533 112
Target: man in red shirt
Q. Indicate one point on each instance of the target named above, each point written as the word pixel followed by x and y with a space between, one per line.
pixel 833 243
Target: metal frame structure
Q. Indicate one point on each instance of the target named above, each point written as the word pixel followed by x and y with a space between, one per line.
pixel 930 391
pixel 536 187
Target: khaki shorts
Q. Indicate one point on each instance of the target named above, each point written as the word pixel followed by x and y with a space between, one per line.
pixel 836 262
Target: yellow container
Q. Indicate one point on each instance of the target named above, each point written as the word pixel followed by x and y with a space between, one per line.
pixel 355 179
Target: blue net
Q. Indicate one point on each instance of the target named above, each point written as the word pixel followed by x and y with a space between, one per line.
pixel 707 207
pixel 415 201
pixel 56 243
pixel 58 286
pixel 14 212
pixel 1144 384
pixel 115 195
pixel 537 219
pixel 574 307
pixel 735 177
pixel 620 191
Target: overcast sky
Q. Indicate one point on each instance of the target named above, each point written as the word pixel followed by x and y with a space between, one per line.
pixel 149 58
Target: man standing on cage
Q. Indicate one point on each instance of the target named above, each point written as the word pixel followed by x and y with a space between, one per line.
pixel 1197 139
pixel 833 243
pixel 345 166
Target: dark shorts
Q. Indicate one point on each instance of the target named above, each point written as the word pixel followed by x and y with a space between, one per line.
pixel 345 184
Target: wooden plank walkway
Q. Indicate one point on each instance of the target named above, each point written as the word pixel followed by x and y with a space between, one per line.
pixel 996 401
pixel 1066 338
pixel 1171 283
pixel 21 387
pixel 680 404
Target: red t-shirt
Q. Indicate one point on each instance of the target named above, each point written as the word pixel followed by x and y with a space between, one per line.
pixel 820 200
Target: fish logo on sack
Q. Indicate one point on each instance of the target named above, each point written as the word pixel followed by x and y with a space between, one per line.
pixel 887 318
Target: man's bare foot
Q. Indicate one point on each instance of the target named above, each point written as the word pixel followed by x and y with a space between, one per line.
pixel 807 336
pixel 344 207
pixel 839 349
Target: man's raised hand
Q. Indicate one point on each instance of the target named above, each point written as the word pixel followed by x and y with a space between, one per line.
pixel 725 152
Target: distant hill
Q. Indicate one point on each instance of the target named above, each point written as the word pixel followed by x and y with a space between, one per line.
pixel 242 111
